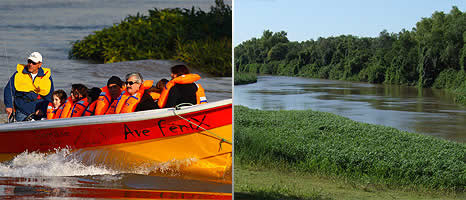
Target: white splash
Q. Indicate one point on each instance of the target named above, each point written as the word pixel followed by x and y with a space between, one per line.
pixel 58 163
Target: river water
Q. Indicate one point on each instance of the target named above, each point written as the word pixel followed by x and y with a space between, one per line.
pixel 427 111
pixel 49 26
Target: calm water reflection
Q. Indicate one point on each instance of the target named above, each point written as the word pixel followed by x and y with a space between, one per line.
pixel 426 111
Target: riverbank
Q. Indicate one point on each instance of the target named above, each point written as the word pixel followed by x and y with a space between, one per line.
pixel 268 183
pixel 245 78
pixel 321 143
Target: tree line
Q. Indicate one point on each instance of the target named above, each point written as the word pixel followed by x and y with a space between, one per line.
pixel 432 54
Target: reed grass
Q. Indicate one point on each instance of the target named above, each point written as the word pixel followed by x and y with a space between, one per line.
pixel 324 143
pixel 242 78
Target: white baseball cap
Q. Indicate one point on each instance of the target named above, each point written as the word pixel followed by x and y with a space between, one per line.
pixel 35 57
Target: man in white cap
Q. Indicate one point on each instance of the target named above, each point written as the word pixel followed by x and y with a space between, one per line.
pixel 29 89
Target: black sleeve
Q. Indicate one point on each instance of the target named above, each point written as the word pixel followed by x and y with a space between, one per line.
pixel 172 97
pixel 181 93
pixel 146 103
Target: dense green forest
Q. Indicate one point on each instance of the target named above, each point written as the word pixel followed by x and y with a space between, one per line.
pixel 432 54
pixel 201 39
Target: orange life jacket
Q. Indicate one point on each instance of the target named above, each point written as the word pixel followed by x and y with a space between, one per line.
pixel 62 112
pixel 103 102
pixel 74 109
pixel 127 103
pixel 90 110
pixel 200 94
pixel 155 96
pixel 58 111
pixel 50 111
pixel 183 79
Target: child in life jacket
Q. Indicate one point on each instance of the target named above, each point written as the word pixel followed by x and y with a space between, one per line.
pixel 58 100
pixel 155 92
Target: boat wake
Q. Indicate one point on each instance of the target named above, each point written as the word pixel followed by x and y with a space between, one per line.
pixel 58 163
pixel 63 162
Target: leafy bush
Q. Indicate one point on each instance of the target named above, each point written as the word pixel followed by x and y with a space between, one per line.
pixel 210 56
pixel 454 81
pixel 165 34
pixel 245 78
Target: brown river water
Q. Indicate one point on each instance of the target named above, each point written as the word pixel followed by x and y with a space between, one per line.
pixel 427 111
pixel 49 26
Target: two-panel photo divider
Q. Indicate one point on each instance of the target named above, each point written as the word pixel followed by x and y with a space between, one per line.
pixel 232 99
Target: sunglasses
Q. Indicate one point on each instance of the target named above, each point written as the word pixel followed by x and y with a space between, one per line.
pixel 130 82
pixel 31 62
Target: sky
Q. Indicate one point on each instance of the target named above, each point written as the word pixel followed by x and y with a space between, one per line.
pixel 310 19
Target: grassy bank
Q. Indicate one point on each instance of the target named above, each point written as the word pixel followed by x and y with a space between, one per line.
pixel 326 144
pixel 264 183
pixel 245 78
pixel 200 39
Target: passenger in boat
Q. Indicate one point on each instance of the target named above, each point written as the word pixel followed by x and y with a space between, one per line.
pixel 108 95
pixel 77 103
pixel 155 92
pixel 93 94
pixel 134 98
pixel 59 99
pixel 29 90
pixel 182 89
pixel 161 84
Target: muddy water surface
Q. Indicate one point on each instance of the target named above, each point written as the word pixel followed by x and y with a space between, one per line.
pixel 426 111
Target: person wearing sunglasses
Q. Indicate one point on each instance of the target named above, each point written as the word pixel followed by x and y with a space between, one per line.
pixel 29 90
pixel 182 89
pixel 135 97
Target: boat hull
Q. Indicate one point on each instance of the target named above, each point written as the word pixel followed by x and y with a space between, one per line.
pixel 193 142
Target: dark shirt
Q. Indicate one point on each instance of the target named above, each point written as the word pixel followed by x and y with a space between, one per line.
pixel 146 103
pixel 182 93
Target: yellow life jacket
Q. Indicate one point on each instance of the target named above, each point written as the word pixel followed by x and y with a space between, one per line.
pixel 41 84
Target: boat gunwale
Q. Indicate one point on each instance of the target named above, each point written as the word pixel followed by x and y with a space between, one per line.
pixel 109 119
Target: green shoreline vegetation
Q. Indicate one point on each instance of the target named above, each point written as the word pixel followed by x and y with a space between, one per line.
pixel 430 55
pixel 323 144
pixel 200 39
pixel 242 78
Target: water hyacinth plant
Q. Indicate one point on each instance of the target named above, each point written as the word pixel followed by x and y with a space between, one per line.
pixel 324 143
